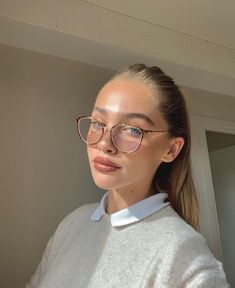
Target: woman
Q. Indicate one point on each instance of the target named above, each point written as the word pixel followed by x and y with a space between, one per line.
pixel 143 232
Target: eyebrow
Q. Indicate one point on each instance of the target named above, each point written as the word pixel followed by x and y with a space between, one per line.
pixel 129 115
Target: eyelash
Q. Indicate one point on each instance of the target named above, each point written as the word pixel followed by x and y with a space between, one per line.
pixel 104 124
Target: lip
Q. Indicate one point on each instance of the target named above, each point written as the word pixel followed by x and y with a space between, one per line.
pixel 104 164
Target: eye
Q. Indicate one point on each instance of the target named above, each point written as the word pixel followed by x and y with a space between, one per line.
pixel 97 125
pixel 133 131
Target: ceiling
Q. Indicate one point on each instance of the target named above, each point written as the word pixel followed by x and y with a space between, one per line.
pixel 210 20
pixel 193 41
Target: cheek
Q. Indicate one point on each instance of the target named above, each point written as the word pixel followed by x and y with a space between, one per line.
pixel 143 162
pixel 90 153
pixel 151 153
pixel 150 157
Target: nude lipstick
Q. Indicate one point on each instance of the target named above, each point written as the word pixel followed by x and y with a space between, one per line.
pixel 105 165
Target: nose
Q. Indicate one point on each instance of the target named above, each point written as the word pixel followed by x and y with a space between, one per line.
pixel 105 145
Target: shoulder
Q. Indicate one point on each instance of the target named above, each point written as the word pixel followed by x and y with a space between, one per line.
pixel 72 224
pixel 184 251
pixel 168 223
pixel 79 215
pixel 177 238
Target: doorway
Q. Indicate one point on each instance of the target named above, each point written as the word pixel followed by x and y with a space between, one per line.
pixel 213 165
pixel 221 148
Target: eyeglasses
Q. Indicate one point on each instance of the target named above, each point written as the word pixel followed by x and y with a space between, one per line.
pixel 126 138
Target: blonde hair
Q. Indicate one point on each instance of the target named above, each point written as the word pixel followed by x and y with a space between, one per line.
pixel 175 178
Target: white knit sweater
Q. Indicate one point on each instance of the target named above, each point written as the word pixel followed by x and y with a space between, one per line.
pixel 160 251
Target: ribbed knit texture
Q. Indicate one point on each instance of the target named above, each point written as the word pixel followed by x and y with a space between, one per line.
pixel 160 251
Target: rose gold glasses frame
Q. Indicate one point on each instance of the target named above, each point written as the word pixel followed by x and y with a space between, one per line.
pixel 143 132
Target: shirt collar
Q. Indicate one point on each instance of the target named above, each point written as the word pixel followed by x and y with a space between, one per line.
pixel 133 213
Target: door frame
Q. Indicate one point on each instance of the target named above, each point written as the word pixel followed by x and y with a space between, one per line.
pixel 202 176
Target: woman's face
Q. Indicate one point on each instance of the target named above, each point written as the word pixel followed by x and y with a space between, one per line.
pixel 116 103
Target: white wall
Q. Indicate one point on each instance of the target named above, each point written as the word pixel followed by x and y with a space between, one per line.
pixel 43 167
pixel 223 174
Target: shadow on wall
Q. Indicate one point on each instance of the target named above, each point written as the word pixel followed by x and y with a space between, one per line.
pixel 44 172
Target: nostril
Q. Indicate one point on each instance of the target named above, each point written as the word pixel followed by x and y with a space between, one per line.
pixel 109 151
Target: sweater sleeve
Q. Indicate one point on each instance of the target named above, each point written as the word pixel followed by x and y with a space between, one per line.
pixel 205 272
pixel 52 248
pixel 42 267
pixel 185 261
pixel 196 266
pixel 207 278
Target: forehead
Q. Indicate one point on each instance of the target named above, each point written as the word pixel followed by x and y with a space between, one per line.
pixel 127 96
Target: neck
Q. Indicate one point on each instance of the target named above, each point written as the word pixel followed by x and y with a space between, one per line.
pixel 119 199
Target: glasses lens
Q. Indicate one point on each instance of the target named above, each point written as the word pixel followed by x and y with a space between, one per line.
pixel 90 130
pixel 126 138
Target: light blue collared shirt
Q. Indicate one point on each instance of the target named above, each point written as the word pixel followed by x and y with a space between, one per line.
pixel 133 213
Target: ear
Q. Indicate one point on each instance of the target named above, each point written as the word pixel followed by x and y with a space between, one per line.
pixel 176 144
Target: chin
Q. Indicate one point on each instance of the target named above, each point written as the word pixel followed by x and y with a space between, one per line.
pixel 105 185
pixel 106 182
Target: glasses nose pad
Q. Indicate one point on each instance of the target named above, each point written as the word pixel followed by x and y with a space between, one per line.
pixel 113 135
pixel 118 137
pixel 106 141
